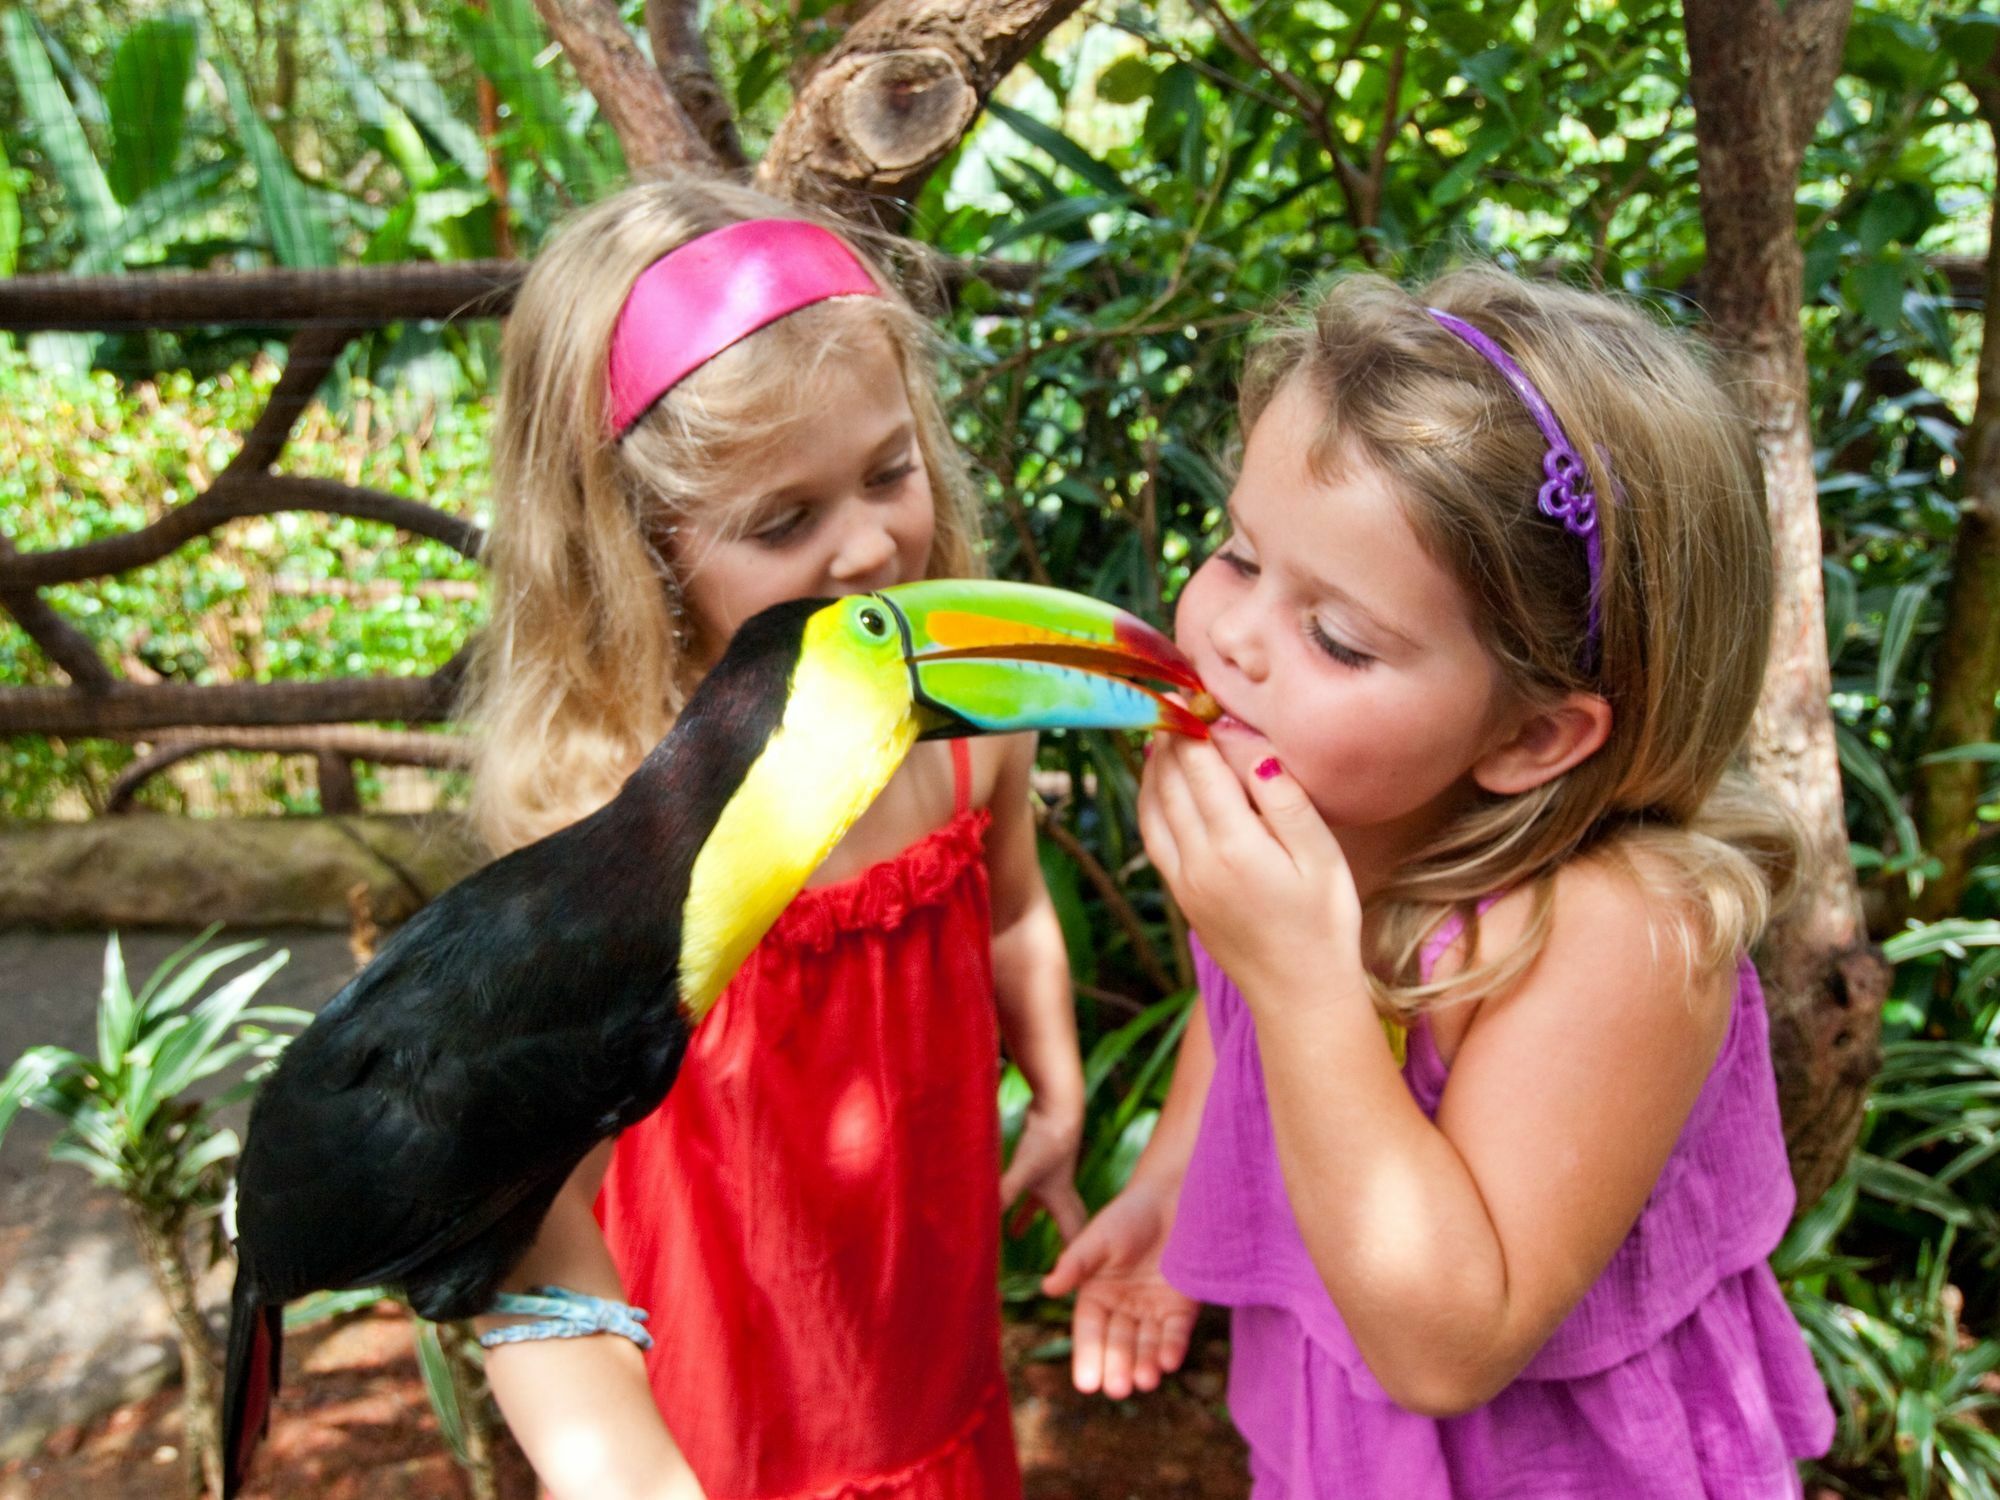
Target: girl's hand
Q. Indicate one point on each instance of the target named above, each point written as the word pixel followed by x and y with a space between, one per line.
pixel 1130 1326
pixel 1044 1169
pixel 1264 882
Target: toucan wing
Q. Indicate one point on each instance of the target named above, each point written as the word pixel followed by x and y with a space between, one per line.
pixel 494 1040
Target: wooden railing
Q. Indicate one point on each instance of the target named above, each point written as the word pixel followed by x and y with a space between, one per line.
pixel 321 718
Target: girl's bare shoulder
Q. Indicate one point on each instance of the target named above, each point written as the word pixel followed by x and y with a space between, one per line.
pixel 1613 953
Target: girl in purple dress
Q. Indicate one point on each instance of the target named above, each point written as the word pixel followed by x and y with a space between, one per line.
pixel 1475 1130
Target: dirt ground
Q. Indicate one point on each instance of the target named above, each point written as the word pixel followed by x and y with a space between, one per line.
pixel 352 1423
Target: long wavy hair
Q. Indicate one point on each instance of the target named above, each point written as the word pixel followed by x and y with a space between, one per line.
pixel 585 661
pixel 1685 604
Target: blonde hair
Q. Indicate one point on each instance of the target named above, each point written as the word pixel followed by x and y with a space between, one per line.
pixel 584 663
pixel 1686 597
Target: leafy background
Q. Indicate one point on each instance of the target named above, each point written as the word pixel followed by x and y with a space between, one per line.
pixel 1171 170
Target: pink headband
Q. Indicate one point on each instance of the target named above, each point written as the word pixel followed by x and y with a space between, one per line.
pixel 701 297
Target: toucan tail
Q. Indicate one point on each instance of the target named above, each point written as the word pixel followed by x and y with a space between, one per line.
pixel 256 1340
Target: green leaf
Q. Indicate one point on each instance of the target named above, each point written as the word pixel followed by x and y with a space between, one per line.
pixel 323 1307
pixel 1842 603
pixel 1813 1232
pixel 1127 80
pixel 1052 218
pixel 146 98
pixel 181 1059
pixel 32 1072
pixel 1062 148
pixel 157 218
pixel 1952 935
pixel 57 130
pixel 411 85
pixel 103 1167
pixel 163 995
pixel 117 1012
pixel 292 219
pixel 1861 765
pixel 1897 629
pixel 440 1387
pixel 1986 752
pixel 1878 288
pixel 507 40
pixel 1916 1439
pixel 10 215
pixel 218 1147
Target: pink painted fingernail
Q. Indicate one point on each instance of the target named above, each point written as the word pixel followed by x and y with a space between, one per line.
pixel 1146 751
pixel 1268 767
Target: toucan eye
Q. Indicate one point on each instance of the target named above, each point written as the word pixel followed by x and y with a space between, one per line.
pixel 873 621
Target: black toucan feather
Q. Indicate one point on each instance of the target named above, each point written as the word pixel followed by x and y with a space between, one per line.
pixel 416 1133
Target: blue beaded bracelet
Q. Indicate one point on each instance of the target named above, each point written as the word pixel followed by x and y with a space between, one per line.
pixel 564 1314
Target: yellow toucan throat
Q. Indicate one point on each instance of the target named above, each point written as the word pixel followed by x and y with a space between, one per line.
pixel 847 725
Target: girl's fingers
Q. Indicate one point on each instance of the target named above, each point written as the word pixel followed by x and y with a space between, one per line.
pixel 1216 792
pixel 1290 815
pixel 1176 1329
pixel 1146 1355
pixel 1175 806
pixel 1079 1261
pixel 1120 1335
pixel 1086 1360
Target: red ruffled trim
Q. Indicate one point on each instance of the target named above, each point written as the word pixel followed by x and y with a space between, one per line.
pixel 951 1471
pixel 882 895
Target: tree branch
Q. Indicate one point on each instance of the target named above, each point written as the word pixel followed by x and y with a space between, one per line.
pixel 313 352
pixel 231 497
pixel 650 123
pixel 124 707
pixel 344 742
pixel 65 645
pixel 1814 37
pixel 680 52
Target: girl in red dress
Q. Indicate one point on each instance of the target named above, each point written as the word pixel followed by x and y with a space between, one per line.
pixel 711 403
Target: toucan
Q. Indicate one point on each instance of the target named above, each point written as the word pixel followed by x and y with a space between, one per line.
pixel 415 1134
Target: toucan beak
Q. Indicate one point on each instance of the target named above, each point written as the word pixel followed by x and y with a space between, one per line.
pixel 987 658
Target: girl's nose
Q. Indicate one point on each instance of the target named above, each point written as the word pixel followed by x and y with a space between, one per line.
pixel 866 549
pixel 1234 634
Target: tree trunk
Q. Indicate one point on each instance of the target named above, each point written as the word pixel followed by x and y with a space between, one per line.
pixel 166 1257
pixel 897 94
pixel 1761 77
pixel 1967 676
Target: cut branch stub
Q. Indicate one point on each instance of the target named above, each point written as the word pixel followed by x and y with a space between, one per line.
pixel 900 110
pixel 897 95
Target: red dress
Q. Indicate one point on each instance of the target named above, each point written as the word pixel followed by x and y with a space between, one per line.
pixel 812 1216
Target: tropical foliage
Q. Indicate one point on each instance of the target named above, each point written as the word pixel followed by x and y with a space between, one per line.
pixel 132 1117
pixel 1168 171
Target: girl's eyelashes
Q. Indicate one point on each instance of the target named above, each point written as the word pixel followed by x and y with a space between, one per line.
pixel 1346 655
pixel 786 527
pixel 893 475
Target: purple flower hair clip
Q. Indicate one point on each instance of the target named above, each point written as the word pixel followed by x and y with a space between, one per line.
pixel 1566 494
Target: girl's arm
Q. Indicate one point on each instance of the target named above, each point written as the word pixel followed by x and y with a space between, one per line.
pixel 1452 1249
pixel 1131 1326
pixel 1031 985
pixel 581 1408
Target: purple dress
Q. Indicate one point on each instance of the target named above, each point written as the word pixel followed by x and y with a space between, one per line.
pixel 1681 1375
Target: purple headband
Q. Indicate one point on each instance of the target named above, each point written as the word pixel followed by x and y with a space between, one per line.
pixel 1565 495
pixel 720 287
